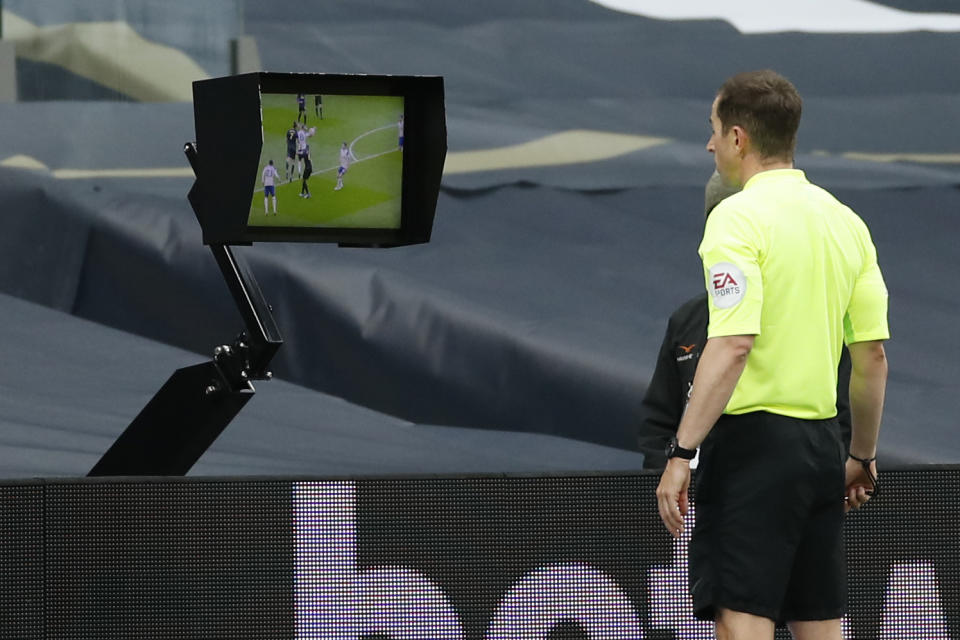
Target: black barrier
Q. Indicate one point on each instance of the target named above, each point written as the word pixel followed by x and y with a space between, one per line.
pixel 473 558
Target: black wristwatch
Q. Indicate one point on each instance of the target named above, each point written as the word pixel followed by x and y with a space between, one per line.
pixel 674 450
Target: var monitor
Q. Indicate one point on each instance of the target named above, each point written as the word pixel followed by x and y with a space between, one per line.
pixel 352 159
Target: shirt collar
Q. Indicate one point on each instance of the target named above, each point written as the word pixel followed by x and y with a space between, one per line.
pixel 792 175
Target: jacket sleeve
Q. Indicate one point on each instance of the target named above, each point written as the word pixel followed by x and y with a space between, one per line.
pixel 662 405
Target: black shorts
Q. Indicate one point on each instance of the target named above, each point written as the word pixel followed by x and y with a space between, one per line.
pixel 768 535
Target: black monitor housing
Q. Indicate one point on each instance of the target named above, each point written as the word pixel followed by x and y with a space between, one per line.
pixel 238 123
pixel 388 199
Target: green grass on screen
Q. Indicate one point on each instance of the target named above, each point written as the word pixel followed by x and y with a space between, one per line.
pixel 370 197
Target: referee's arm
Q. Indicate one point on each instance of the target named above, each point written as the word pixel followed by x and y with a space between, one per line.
pixel 868 381
pixel 718 371
pixel 721 364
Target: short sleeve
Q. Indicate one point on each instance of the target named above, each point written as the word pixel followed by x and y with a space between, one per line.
pixel 731 252
pixel 866 317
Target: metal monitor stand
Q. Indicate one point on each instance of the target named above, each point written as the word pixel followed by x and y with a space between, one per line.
pixel 197 403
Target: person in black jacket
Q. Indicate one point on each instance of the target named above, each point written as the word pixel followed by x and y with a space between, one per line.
pixel 307 172
pixel 672 380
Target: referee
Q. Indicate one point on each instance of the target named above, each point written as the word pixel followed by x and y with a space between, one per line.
pixel 669 389
pixel 791 275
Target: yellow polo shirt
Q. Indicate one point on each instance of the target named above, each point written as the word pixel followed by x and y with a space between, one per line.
pixel 788 263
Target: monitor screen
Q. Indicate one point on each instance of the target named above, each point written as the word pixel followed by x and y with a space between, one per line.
pixel 329 161
pixel 301 157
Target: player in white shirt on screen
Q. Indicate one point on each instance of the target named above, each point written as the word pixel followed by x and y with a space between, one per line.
pixel 301 144
pixel 400 132
pixel 344 165
pixel 269 178
pixel 302 134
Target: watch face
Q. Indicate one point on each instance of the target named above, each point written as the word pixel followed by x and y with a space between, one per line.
pixel 675 451
pixel 671 447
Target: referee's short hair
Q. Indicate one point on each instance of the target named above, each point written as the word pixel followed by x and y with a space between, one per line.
pixel 767 106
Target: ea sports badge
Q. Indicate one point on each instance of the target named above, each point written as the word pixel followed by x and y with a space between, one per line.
pixel 727 284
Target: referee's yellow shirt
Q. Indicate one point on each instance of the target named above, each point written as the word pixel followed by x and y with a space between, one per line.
pixel 788 263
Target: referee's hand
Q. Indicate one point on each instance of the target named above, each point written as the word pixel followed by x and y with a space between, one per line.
pixel 859 485
pixel 672 498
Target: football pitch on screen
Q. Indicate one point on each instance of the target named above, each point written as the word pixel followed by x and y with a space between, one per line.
pixel 370 195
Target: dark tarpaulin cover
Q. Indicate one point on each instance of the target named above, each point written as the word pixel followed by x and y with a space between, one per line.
pixel 537 309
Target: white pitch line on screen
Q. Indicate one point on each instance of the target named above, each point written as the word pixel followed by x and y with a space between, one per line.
pixel 355 158
pixel 364 135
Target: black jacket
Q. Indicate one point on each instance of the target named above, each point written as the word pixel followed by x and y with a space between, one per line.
pixel 672 380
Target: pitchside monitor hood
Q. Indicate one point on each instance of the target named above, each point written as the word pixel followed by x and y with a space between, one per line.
pixel 369 151
pixel 286 157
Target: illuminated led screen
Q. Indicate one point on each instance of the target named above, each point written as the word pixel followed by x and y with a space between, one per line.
pixel 466 558
pixel 329 161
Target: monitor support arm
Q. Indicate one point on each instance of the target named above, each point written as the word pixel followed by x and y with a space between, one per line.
pixel 197 403
pixel 250 355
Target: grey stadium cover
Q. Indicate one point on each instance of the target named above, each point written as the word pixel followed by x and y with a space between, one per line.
pixel 522 337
